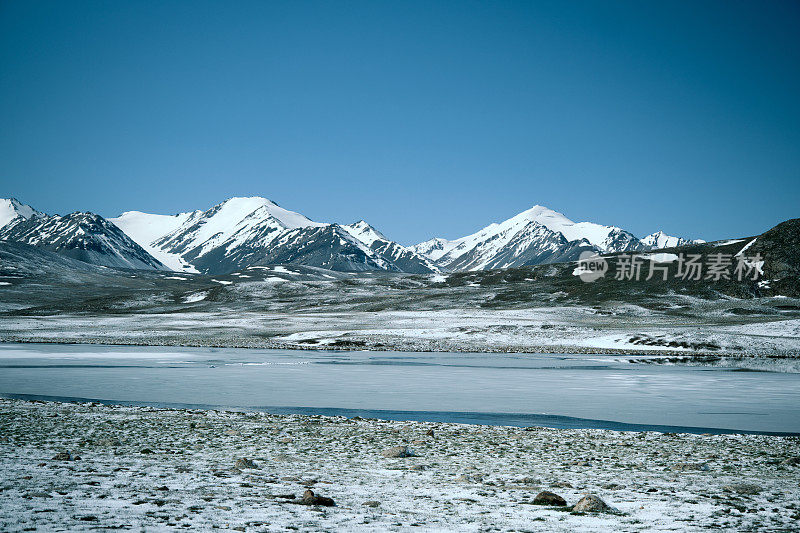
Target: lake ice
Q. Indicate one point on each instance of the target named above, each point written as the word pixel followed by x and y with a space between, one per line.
pixel 509 389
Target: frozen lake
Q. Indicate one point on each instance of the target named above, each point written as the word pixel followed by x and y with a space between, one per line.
pixel 509 389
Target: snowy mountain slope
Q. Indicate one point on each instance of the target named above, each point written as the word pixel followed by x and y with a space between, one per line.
pixel 433 249
pixel 232 222
pixel 532 245
pixel 328 246
pixel 605 238
pixel 534 236
pixel 11 209
pixel 660 239
pixel 364 232
pixel 405 259
pixel 145 229
pixel 83 236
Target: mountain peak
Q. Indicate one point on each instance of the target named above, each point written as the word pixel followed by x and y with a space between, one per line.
pixel 364 232
pixel 534 235
pixel 84 236
pixel 660 239
pixel 11 208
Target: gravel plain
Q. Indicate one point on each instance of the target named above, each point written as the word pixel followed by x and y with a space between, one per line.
pixel 81 467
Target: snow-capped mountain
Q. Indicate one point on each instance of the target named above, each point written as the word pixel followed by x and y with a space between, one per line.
pixel 537 235
pixel 245 231
pixel 404 259
pixel 12 209
pixel 232 234
pixel 83 236
pixel 660 239
pixel 241 232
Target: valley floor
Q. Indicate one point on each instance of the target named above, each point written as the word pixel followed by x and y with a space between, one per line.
pixel 624 329
pixel 151 469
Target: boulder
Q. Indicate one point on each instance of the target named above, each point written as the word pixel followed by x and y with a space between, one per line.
pixel 748 489
pixel 309 498
pixel 244 463
pixel 65 456
pixel 397 452
pixel 549 498
pixel 592 504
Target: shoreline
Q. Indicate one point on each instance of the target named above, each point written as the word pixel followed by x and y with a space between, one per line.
pixel 169 469
pixel 489 419
pixel 687 355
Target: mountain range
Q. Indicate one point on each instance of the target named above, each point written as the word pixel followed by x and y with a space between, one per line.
pixel 243 232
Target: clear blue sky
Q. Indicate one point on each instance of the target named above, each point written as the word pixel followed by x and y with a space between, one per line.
pixel 424 118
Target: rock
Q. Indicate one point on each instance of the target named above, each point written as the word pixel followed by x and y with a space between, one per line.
pixel 549 498
pixel 65 456
pixel 592 504
pixel 146 451
pixel 527 480
pixel 372 503
pixel 689 467
pixel 561 485
pixel 791 461
pixel 580 462
pixel 286 440
pixel 245 463
pixel 470 478
pixel 429 433
pixel 749 489
pixel 397 452
pixel 108 441
pixel 309 498
pixel 418 468
pixel 419 442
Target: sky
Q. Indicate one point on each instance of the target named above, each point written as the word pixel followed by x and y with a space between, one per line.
pixel 426 119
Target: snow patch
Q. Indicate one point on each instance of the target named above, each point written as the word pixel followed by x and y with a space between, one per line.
pixel 661 258
pixel 195 297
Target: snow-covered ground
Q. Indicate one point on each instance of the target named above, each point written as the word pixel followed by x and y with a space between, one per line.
pixel 628 330
pixel 158 469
